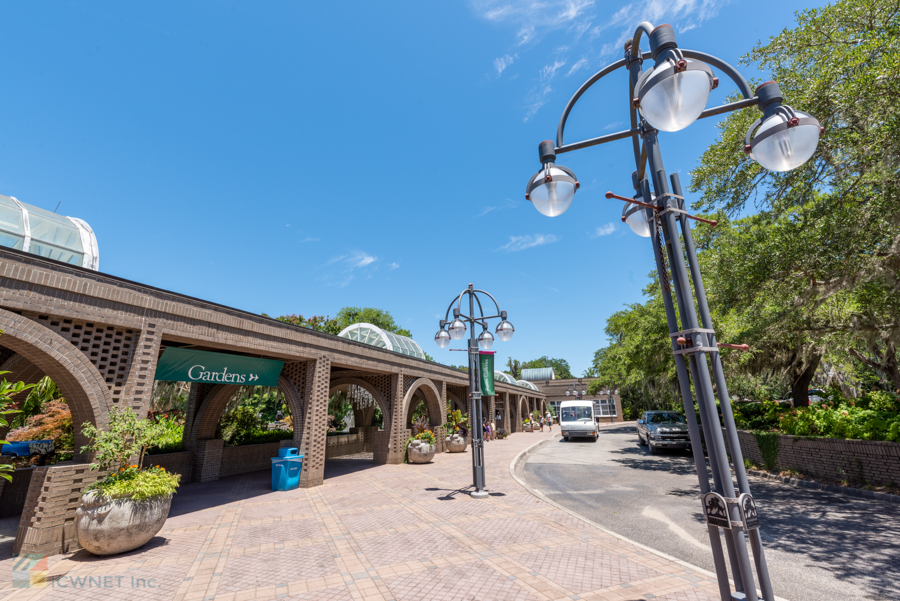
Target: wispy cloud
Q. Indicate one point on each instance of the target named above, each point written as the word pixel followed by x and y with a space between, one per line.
pixel 310 239
pixel 342 269
pixel 360 259
pixel 604 230
pixel 393 266
pixel 578 66
pixel 501 63
pixel 538 96
pixel 592 32
pixel 509 204
pixel 517 243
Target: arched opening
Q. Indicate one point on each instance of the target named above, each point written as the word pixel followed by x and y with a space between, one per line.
pixel 423 398
pixel 365 413
pixel 45 352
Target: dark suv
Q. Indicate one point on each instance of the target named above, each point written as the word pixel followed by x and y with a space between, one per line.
pixel 663 430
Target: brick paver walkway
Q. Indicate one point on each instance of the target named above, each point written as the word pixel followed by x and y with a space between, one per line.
pixel 403 532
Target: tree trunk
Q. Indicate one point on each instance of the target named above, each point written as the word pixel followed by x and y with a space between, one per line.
pixel 801 376
pixel 886 361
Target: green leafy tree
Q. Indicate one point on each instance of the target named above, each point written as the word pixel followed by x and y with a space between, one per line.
pixel 319 323
pixel 560 366
pixel 41 393
pixel 126 436
pixel 377 317
pixel 515 368
pixel 816 270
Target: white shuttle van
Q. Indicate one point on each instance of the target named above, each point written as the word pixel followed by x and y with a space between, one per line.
pixel 576 418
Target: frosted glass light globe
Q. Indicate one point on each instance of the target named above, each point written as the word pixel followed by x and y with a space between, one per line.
pixel 442 338
pixel 675 100
pixel 486 340
pixel 789 148
pixel 457 329
pixel 504 330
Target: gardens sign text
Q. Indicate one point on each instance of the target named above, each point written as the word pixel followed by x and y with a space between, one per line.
pixel 187 365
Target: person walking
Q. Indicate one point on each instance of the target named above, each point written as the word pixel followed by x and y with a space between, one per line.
pixel 549 421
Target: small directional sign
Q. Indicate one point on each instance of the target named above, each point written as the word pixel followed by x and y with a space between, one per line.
pixel 748 511
pixel 716 510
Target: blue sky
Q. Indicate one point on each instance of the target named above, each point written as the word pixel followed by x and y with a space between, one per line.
pixel 297 157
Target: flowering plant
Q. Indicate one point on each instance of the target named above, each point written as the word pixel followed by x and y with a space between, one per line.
pixel 427 436
pixel 125 437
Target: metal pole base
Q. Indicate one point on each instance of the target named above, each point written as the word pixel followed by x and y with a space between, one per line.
pixel 479 494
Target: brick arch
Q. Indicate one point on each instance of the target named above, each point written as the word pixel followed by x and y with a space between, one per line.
pixel 457 403
pixel 81 384
pixel 433 401
pixel 524 410
pixel 210 411
pixel 368 387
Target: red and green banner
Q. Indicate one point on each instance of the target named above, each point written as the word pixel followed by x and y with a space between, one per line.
pixel 486 370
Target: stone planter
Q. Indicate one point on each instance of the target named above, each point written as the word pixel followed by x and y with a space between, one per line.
pixel 456 443
pixel 420 451
pixel 110 526
pixel 526 428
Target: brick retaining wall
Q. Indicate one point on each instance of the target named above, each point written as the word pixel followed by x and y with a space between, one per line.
pixel 48 519
pixel 248 458
pixel 347 444
pixel 181 462
pixel 857 461
pixel 12 494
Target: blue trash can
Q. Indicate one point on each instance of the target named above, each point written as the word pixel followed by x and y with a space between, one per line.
pixel 286 469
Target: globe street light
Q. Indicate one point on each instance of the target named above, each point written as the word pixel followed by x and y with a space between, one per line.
pixel 669 96
pixel 456 330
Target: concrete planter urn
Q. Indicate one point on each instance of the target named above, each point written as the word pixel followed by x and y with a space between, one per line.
pixel 420 451
pixel 456 443
pixel 108 526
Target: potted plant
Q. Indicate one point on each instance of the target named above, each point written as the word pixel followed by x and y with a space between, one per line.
pixel 526 425
pixel 421 447
pixel 458 427
pixel 125 509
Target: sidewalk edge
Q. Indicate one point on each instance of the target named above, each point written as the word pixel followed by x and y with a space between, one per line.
pixel 856 493
pixel 526 453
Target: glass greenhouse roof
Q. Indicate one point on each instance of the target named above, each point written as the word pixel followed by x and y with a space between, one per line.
pixel 537 374
pixel 499 376
pixel 527 384
pixel 40 232
pixel 372 334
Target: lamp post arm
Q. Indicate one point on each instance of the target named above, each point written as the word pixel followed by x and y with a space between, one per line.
pixel 722 66
pixel 496 305
pixel 584 88
pixel 643 27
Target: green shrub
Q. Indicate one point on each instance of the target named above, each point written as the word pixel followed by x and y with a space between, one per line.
pixel 769 444
pixel 260 436
pixel 137 484
pixel 170 440
pixel 128 436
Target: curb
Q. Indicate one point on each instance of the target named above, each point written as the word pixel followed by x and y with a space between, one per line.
pixel 841 490
pixel 525 454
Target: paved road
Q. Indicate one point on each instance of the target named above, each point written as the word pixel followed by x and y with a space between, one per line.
pixel 818 545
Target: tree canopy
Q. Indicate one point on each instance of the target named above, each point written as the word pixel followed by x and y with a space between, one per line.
pixel 804 265
pixel 347 317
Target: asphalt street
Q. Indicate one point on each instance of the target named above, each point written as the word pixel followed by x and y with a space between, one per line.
pixel 818 545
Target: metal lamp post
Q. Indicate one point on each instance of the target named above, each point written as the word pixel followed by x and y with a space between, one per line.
pixel 669 96
pixel 455 330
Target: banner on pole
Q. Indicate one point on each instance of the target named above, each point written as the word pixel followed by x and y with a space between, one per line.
pixel 486 367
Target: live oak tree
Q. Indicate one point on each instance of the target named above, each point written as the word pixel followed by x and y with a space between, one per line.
pixel 817 266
